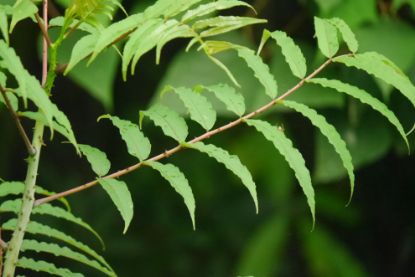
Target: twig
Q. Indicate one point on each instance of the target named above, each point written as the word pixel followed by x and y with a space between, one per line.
pixel 30 149
pixel 43 28
pixel 180 147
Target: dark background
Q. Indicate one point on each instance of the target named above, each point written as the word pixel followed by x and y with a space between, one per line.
pixel 373 236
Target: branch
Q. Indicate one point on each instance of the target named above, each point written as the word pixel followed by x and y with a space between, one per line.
pixel 43 29
pixel 180 147
pixel 30 149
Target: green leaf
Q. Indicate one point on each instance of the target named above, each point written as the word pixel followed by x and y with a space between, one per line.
pixel 64 122
pixel 224 24
pixel 200 109
pixel 179 182
pixel 382 68
pixel 233 101
pixel 114 31
pixel 58 21
pixel 169 8
pixel 291 154
pixel 59 251
pixel 140 41
pixel 4 25
pixel 137 144
pixel 29 86
pixel 177 31
pixel 42 266
pixel 121 196
pixel 17 188
pixel 365 98
pixel 98 159
pixel 232 163
pixel 208 8
pixel 36 228
pixel 47 209
pixel 172 124
pixel 347 33
pixel 292 53
pixel 261 70
pixel 262 256
pixel 330 133
pixel 14 102
pixel 81 50
pixel 22 9
pixel 326 37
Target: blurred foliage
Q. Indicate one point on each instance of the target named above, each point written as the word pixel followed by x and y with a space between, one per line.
pixel 373 236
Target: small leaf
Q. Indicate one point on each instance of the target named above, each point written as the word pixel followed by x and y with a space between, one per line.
pixel 232 163
pixel 98 159
pixel 291 154
pixel 330 133
pixel 4 25
pixel 178 31
pixel 42 266
pixel 326 37
pixel 382 68
pixel 261 70
pixel 47 209
pixel 59 251
pixel 347 33
pixel 168 8
pixel 179 182
pixel 36 228
pixel 172 124
pixel 291 52
pixel 121 196
pixel 22 9
pixel 82 49
pixel 14 102
pixel 200 109
pixel 233 101
pixel 365 98
pixel 224 24
pixel 137 144
pixel 208 8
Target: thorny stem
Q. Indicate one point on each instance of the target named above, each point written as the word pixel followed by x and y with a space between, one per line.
pixel 19 126
pixel 182 146
pixel 28 199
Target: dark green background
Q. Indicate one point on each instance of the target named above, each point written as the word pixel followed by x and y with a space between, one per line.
pixel 373 236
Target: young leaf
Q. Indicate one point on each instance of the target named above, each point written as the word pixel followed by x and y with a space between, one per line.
pixel 291 154
pixel 121 196
pixel 233 101
pixel 98 159
pixel 261 70
pixel 172 124
pixel 22 9
pixel 200 109
pixel 114 31
pixel 47 209
pixel 330 133
pixel 138 39
pixel 36 228
pixel 208 8
pixel 290 50
pixel 365 98
pixel 42 266
pixel 382 68
pixel 347 33
pixel 232 163
pixel 179 182
pixel 137 144
pixel 62 251
pixel 224 24
pixel 326 37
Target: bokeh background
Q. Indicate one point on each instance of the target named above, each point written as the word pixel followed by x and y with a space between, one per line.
pixel 373 236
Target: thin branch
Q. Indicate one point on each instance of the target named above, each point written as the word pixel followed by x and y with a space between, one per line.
pixel 3 246
pixel 180 147
pixel 43 28
pixel 30 149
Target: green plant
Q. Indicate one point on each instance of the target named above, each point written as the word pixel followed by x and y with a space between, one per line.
pixel 159 24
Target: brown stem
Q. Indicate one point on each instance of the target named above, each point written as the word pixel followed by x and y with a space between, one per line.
pixel 180 147
pixel 43 28
pixel 30 149
pixel 3 246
